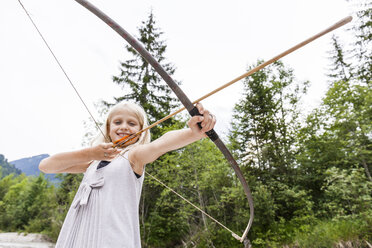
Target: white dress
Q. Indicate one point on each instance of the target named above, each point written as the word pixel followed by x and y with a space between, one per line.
pixel 104 212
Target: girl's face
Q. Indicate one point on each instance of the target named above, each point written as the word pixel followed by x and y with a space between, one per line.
pixel 124 122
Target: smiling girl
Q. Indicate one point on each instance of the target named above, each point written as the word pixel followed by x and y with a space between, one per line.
pixel 104 212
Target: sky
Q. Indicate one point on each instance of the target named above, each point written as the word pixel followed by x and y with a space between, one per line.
pixel 210 42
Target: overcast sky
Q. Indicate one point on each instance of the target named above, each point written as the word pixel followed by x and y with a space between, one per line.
pixel 210 42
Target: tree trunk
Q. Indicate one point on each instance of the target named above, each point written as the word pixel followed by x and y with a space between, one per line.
pixel 202 206
pixel 366 170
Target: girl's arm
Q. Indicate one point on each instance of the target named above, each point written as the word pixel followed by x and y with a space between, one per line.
pixel 77 161
pixel 144 154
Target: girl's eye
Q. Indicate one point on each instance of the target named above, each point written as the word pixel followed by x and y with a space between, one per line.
pixel 117 122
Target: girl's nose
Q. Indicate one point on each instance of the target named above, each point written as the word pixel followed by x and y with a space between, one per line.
pixel 124 126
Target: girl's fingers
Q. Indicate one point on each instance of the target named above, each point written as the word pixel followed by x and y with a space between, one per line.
pixel 209 122
pixel 113 151
pixel 107 151
pixel 195 119
pixel 200 107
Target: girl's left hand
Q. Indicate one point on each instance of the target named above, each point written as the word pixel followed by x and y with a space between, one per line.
pixel 207 121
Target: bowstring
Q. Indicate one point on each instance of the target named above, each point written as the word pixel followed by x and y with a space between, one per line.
pixel 105 136
pixel 64 72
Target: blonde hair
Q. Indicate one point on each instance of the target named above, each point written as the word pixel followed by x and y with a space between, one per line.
pixel 138 111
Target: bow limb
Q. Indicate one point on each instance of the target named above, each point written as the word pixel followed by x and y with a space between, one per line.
pixel 182 97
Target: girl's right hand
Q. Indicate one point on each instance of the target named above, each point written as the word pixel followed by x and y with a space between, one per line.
pixel 105 151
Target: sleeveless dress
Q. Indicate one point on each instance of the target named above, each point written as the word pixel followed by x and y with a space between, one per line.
pixel 105 210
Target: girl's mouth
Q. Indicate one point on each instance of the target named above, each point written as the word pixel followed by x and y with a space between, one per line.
pixel 121 135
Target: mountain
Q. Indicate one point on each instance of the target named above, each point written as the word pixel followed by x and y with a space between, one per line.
pixel 7 168
pixel 30 166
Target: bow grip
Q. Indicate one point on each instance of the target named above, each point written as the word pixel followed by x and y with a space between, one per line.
pixel 211 133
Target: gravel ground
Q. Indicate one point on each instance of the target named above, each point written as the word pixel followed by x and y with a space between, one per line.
pixel 15 240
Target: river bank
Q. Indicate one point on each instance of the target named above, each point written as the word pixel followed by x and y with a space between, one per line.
pixel 21 240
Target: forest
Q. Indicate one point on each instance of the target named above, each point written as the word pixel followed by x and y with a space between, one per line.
pixel 309 173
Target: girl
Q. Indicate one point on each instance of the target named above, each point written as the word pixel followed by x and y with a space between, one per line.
pixel 104 212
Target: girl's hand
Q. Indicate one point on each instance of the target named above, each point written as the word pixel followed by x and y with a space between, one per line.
pixel 105 151
pixel 207 121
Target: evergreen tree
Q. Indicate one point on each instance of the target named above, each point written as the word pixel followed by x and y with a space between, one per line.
pixel 265 123
pixel 362 46
pixel 340 69
pixel 142 82
pixel 354 63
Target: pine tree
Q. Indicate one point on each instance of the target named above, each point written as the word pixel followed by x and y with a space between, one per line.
pixel 340 69
pixel 142 82
pixel 354 62
pixel 265 122
pixel 362 47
